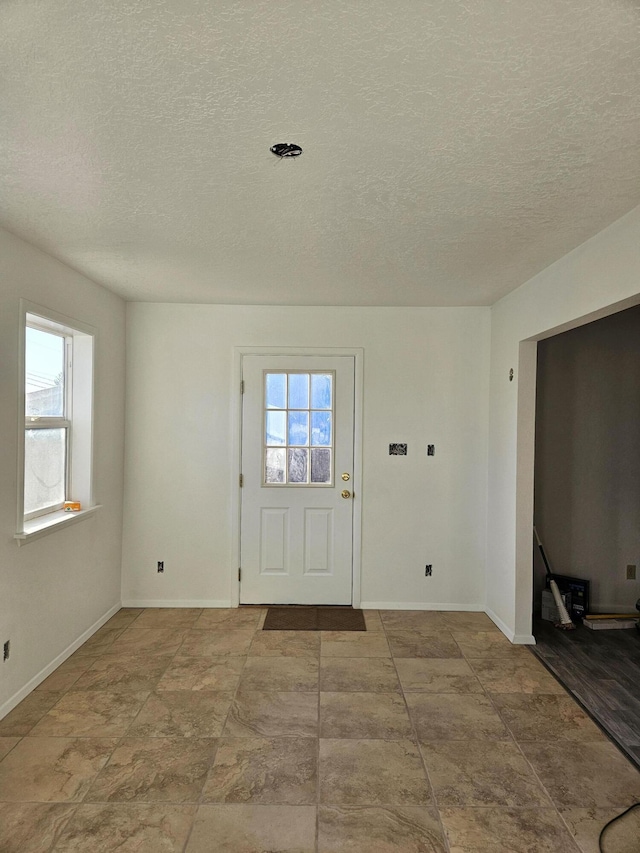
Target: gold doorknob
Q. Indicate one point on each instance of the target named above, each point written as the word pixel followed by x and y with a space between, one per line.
pixel 346 493
pixel 346 476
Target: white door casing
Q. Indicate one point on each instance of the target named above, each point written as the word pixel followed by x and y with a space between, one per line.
pixel 296 540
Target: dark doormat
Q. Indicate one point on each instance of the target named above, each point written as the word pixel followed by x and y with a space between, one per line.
pixel 314 619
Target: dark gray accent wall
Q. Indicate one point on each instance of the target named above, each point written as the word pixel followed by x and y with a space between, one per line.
pixel 587 473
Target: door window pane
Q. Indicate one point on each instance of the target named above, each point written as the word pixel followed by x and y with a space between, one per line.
pixel 321 391
pixel 275 465
pixel 44 468
pixel 298 464
pixel 321 428
pixel 298 390
pixel 320 465
pixel 44 374
pixel 276 431
pixel 299 428
pixel 276 391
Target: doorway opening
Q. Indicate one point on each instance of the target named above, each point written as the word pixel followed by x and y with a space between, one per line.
pixel 586 510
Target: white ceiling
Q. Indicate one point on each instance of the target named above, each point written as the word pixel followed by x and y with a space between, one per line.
pixel 452 148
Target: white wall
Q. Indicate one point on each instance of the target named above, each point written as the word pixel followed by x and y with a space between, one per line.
pixel 425 381
pixel 54 589
pixel 595 279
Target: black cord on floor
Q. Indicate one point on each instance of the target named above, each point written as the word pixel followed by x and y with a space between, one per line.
pixel 613 820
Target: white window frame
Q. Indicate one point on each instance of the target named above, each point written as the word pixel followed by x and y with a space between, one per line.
pixel 78 420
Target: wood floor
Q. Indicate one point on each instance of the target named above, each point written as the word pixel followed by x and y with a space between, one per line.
pixel 602 670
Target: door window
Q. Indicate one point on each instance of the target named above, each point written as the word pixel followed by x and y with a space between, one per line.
pixel 298 428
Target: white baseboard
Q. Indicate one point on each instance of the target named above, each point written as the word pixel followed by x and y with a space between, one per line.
pixel 14 700
pixel 417 605
pixel 159 602
pixel 516 639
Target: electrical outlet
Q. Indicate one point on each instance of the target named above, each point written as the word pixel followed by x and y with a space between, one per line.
pixel 428 570
pixel 160 566
pixel 431 450
pixel 631 573
pixel 6 650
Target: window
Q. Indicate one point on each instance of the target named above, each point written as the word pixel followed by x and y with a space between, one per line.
pixel 56 453
pixel 48 362
pixel 298 441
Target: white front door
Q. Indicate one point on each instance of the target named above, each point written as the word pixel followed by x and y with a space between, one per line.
pixel 297 480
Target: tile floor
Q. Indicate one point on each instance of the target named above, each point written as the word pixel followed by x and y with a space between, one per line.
pixel 191 731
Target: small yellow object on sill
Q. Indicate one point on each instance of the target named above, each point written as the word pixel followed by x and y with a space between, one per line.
pixel 72 506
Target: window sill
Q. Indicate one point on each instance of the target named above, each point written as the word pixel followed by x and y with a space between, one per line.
pixel 45 524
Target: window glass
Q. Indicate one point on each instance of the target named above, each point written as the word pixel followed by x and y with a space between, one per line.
pixel 298 417
pixel 45 462
pixel 275 465
pixel 321 386
pixel 44 374
pixel 276 391
pixel 298 390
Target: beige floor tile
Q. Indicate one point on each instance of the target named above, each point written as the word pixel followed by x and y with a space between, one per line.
pixel 586 775
pixel 31 827
pixel 66 675
pixel 127 828
pixel 148 641
pixel 515 675
pixel 24 716
pixel 254 829
pixel 408 644
pixel 6 745
pixel 170 770
pixel 363 715
pixel 286 643
pixel 103 639
pixel 91 713
pixel 439 716
pixel 373 621
pixel 586 824
pixel 186 672
pixel 411 620
pixel 355 675
pixel 125 616
pixel 169 617
pixel 541 716
pixel 182 713
pixel 351 644
pixel 260 714
pixel 372 772
pixel 264 770
pixel 123 672
pixel 280 674
pixel 488 644
pixel 52 770
pixel 214 619
pixel 437 675
pixel 476 773
pixel 201 644
pixel 378 829
pixel 506 830
pixel 459 620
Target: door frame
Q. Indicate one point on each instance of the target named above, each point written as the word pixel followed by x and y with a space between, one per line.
pixel 239 352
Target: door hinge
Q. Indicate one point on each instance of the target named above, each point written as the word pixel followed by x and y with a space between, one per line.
pixel 241 480
pixel 242 386
pixel 239 574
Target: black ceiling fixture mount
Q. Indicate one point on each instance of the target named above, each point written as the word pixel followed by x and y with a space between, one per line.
pixel 286 149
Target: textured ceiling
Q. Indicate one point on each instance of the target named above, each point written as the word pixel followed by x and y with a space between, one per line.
pixel 452 148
